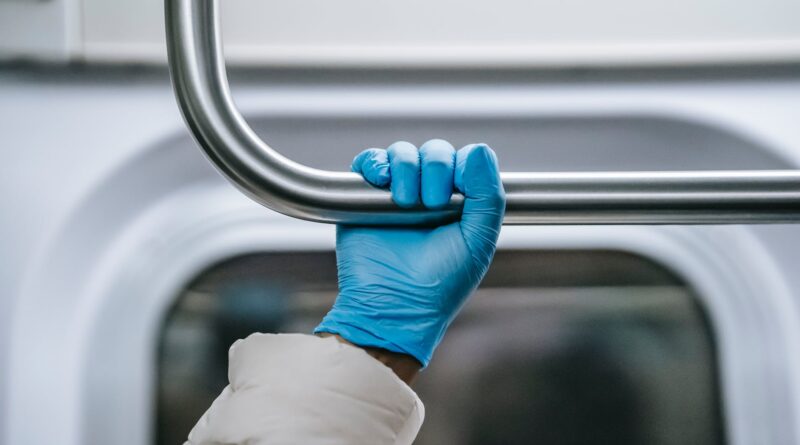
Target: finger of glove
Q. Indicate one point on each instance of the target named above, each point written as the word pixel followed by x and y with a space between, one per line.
pixel 461 159
pixel 437 159
pixel 484 204
pixel 405 173
pixel 373 165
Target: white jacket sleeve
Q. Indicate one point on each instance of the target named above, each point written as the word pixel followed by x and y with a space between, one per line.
pixel 302 389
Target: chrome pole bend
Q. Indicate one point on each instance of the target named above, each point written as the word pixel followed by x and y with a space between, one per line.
pixel 198 74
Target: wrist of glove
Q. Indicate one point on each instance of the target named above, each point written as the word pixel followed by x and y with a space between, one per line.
pixel 400 288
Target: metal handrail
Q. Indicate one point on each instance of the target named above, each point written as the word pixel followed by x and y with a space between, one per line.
pixel 698 197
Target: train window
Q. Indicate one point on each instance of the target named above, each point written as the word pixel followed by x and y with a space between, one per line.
pixel 557 347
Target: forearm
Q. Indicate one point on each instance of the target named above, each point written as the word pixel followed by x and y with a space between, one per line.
pixel 404 366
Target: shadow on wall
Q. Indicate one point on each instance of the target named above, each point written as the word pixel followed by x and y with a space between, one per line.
pixel 617 143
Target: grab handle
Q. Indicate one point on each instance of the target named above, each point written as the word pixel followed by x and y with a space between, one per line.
pixel 198 75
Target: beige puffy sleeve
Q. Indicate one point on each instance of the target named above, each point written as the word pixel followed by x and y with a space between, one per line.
pixel 302 389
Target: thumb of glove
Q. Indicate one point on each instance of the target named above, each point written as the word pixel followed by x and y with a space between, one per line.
pixel 477 177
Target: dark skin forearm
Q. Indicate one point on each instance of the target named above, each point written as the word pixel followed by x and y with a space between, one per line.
pixel 404 366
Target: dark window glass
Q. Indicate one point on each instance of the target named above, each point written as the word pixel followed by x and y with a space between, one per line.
pixel 557 347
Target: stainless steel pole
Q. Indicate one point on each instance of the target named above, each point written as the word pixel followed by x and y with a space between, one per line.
pixel 201 86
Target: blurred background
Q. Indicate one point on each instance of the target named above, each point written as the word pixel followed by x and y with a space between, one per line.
pixel 128 265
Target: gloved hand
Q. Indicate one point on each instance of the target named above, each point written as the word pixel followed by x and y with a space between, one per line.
pixel 399 288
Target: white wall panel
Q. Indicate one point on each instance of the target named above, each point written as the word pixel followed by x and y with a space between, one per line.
pixel 46 29
pixel 452 32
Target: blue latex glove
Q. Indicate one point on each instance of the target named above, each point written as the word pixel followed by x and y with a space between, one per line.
pixel 399 288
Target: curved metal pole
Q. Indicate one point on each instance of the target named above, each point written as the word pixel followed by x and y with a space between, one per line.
pixel 201 86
